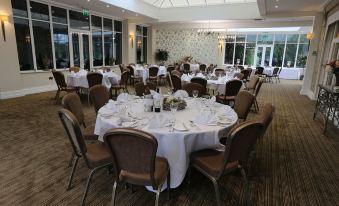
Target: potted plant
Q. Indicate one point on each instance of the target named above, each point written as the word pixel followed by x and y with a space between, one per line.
pixel 161 56
pixel 301 61
pixel 333 68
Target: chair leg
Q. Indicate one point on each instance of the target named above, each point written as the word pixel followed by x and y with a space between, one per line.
pixel 157 195
pixel 71 161
pixel 88 184
pixel 168 185
pixel 113 193
pixel 189 171
pixel 216 188
pixel 243 173
pixel 57 94
pixel 72 173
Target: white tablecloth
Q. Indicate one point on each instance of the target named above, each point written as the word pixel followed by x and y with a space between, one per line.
pixel 176 146
pixel 80 79
pixel 144 72
pixel 290 73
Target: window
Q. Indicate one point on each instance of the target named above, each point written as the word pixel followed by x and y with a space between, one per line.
pixel 59 15
pixel 60 36
pixel 118 42
pixel 108 42
pixel 239 53
pixel 278 54
pixel 291 49
pixel 19 8
pixel 229 48
pixel 302 51
pixel 78 21
pixel 265 39
pixel 141 41
pixel 39 11
pixel 250 52
pixel 97 40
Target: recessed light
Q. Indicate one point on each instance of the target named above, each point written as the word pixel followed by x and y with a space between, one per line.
pixel 123 10
pixel 136 14
pixel 276 6
pixel 107 5
pixel 88 0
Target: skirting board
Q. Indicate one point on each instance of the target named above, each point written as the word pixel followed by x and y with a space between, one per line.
pixel 308 93
pixel 26 91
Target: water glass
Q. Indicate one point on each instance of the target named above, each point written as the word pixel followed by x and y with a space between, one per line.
pixel 195 93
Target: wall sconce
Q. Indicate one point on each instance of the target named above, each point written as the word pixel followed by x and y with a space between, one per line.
pixel 221 44
pixel 310 35
pixel 131 37
pixel 3 19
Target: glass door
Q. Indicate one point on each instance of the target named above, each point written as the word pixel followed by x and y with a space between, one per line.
pixel 264 54
pixel 81 47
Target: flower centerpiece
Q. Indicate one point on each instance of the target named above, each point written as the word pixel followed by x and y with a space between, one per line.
pixel 333 67
pixel 171 99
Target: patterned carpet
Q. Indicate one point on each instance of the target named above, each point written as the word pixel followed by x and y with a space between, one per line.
pixel 301 165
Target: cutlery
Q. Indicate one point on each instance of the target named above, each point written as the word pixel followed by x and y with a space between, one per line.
pixel 194 125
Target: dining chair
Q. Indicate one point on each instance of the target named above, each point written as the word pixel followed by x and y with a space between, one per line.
pixel 219 72
pixel 214 164
pixel 133 77
pixel 241 67
pixel 176 81
pixel 134 156
pixel 202 82
pixel 259 71
pixel 252 84
pixel 153 74
pixel 61 84
pixel 190 87
pixel 141 89
pixel 122 68
pixel 242 104
pixel 94 78
pixel 202 67
pixel 187 68
pixel 122 84
pixel 232 88
pixel 99 96
pixel 240 76
pixel 95 155
pixel 249 69
pixel 274 75
pixel 245 72
pixel 176 72
pixel 170 69
pixel 74 69
pixel 256 92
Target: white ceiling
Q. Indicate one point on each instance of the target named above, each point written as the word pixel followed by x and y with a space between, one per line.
pixel 289 6
pixel 189 3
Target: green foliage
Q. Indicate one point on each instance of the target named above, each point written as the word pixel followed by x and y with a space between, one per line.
pixel 161 55
pixel 301 60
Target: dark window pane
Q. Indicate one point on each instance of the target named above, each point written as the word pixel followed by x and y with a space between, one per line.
pixel 78 21
pixel 60 36
pixel 250 51
pixel 290 53
pixel 230 38
pixel 303 38
pixel 118 48
pixel 280 38
pixel 97 48
pixel 108 24
pixel 85 50
pixel 108 37
pixel 278 54
pixel 76 52
pixel 251 38
pixel 19 8
pixel 292 38
pixel 39 11
pixel 239 53
pixel 265 38
pixel 138 30
pixel 43 46
pixel 118 26
pixel 240 38
pixel 302 55
pixel 144 47
pixel 23 42
pixel 96 23
pixel 144 30
pixel 229 48
pixel 59 15
pixel 139 50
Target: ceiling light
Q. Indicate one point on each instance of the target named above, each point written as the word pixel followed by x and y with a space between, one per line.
pixel 88 0
pixel 276 6
pixel 136 15
pixel 107 5
pixel 123 11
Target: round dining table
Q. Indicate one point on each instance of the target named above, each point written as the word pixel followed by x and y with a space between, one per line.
pixel 175 141
pixel 79 79
pixel 143 72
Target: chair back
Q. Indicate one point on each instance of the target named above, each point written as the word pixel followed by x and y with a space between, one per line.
pixel 74 69
pixel 94 78
pixel 254 79
pixel 190 87
pixel 170 69
pixel 249 69
pixel 72 127
pixel 258 87
pixel 218 72
pixel 124 78
pixel 275 71
pixel 242 104
pixel 176 81
pixel 232 87
pixel 259 71
pixel 241 67
pixel 266 115
pixel 121 67
pixel 99 96
pixel 176 72
pixel 201 81
pixel 140 88
pixel 72 103
pixel 279 70
pixel 239 76
pixel 240 142
pixel 202 67
pixel 153 71
pixel 131 70
pixel 133 151
pixel 59 79
pixel 187 68
pixel 245 72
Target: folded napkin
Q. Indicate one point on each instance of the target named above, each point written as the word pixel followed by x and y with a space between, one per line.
pixel 185 78
pixel 124 97
pixel 82 72
pixel 213 99
pixel 200 75
pixel 206 117
pixel 156 95
pixel 111 106
pixel 221 80
pixel 181 94
pixel 159 120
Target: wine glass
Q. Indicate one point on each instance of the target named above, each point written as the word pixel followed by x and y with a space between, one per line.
pixel 173 108
pixel 195 93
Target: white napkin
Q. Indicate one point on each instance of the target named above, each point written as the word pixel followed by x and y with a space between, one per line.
pixel 111 105
pixel 200 75
pixel 206 117
pixel 213 99
pixel 156 95
pixel 185 78
pixel 159 120
pixel 124 97
pixel 72 72
pixel 221 80
pixel 181 94
pixel 82 72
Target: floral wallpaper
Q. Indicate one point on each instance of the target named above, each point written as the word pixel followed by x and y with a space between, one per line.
pixel 180 43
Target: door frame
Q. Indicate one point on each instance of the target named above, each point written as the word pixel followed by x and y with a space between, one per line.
pixel 263 54
pixel 80 33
